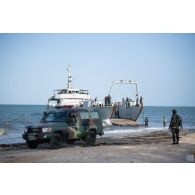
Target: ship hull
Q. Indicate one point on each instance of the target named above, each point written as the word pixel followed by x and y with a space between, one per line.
pixel 131 113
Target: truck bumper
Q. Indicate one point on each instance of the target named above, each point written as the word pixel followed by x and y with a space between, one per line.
pixel 40 137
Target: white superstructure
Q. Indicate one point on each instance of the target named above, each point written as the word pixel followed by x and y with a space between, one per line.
pixel 69 97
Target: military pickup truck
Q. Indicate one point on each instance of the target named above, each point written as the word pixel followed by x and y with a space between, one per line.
pixel 65 125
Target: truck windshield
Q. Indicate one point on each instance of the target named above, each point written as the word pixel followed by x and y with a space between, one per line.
pixel 55 117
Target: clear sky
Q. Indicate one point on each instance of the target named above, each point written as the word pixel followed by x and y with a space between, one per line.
pixel 33 65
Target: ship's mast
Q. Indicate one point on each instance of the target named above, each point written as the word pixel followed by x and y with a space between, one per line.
pixel 69 83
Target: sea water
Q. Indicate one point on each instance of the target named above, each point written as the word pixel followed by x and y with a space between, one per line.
pixel 14 119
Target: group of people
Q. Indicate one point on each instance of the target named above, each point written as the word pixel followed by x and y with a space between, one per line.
pixel 139 102
pixel 128 101
pixel 107 100
pixel 175 125
pixel 146 121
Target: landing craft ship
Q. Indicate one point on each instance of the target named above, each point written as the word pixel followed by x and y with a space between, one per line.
pixel 127 109
pixel 70 97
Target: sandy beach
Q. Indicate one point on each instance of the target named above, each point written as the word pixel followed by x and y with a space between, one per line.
pixel 153 147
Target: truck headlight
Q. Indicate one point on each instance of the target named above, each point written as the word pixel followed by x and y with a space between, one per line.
pixel 46 130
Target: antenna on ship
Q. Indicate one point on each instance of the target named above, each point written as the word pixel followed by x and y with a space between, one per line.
pixel 69 84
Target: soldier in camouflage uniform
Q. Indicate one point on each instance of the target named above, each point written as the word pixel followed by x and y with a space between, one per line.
pixel 175 126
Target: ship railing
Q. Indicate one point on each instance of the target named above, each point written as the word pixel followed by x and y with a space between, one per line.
pixel 123 103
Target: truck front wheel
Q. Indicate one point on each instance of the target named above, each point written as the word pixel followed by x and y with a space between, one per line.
pixel 56 141
pixel 32 144
pixel 91 138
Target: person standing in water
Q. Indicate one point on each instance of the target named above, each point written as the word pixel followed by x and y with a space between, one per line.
pixel 146 122
pixel 164 121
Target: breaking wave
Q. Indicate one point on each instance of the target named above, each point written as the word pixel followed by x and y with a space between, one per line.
pixel 2 132
pixel 125 130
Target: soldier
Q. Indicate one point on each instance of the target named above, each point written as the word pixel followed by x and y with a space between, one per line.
pixel 146 122
pixel 137 100
pixel 127 102
pixel 164 121
pixel 95 101
pixel 117 113
pixel 106 100
pixel 175 126
pixel 141 101
pixel 109 100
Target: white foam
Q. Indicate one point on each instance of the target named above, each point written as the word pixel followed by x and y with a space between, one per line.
pixel 2 131
pixel 107 123
pixel 133 130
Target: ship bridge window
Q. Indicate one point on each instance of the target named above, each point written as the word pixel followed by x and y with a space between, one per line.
pixel 84 92
pixel 62 91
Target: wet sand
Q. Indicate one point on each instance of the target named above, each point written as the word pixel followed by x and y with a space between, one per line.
pixel 154 147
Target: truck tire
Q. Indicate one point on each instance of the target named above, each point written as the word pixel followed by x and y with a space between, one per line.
pixel 32 144
pixel 91 138
pixel 56 141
